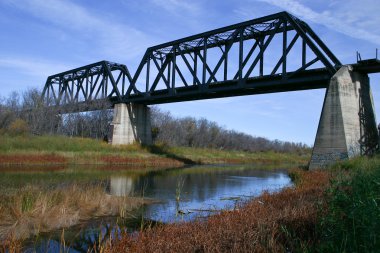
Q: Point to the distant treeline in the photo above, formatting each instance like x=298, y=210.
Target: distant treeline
x=25, y=114
x=193, y=132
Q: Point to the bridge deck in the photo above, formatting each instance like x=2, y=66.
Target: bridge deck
x=368, y=66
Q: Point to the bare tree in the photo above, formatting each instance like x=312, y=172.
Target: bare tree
x=193, y=132
x=167, y=129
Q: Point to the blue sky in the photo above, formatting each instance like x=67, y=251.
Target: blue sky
x=43, y=37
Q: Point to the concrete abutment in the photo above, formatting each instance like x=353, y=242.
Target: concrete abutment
x=131, y=123
x=347, y=126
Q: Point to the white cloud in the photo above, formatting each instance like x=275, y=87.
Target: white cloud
x=33, y=67
x=21, y=73
x=357, y=19
x=177, y=6
x=115, y=39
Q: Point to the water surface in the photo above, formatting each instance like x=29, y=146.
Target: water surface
x=198, y=191
x=182, y=194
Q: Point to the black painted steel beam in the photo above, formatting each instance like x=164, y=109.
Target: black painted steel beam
x=312, y=79
x=251, y=57
x=367, y=66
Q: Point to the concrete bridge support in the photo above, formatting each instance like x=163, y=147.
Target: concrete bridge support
x=347, y=127
x=131, y=123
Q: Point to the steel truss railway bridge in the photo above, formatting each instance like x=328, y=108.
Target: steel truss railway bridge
x=275, y=53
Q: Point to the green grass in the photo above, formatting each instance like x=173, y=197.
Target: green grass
x=215, y=155
x=82, y=150
x=60, y=144
x=352, y=222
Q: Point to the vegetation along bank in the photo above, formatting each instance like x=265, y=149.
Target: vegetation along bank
x=50, y=150
x=335, y=210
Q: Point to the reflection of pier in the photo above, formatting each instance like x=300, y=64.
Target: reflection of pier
x=121, y=186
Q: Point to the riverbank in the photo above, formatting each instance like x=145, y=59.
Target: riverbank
x=60, y=150
x=268, y=223
x=333, y=210
x=183, y=193
x=35, y=209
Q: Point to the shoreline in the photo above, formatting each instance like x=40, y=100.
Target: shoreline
x=60, y=150
x=330, y=210
x=255, y=226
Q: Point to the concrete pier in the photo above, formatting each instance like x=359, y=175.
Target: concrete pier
x=130, y=124
x=347, y=124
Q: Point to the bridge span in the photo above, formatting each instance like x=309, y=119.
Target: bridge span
x=275, y=53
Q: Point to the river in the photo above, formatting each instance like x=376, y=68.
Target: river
x=179, y=195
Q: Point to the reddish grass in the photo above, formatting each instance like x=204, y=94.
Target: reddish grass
x=53, y=159
x=144, y=162
x=279, y=222
x=10, y=245
x=32, y=159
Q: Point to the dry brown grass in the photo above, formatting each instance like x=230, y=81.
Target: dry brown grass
x=279, y=222
x=10, y=245
x=29, y=211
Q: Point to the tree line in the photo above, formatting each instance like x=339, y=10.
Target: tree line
x=26, y=114
x=192, y=132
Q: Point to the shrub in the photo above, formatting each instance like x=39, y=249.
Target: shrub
x=18, y=127
x=352, y=223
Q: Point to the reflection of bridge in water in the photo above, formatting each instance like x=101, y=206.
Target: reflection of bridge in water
x=121, y=186
x=276, y=53
x=197, y=188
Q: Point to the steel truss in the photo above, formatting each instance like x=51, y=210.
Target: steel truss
x=275, y=53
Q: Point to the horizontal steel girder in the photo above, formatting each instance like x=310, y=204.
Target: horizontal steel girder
x=313, y=79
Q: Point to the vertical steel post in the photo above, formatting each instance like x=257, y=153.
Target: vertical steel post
x=262, y=56
x=168, y=79
x=303, y=53
x=174, y=68
x=284, y=47
x=225, y=63
x=195, y=67
x=204, y=61
x=147, y=74
x=241, y=52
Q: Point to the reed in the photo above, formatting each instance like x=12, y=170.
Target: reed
x=31, y=210
x=335, y=210
x=278, y=222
